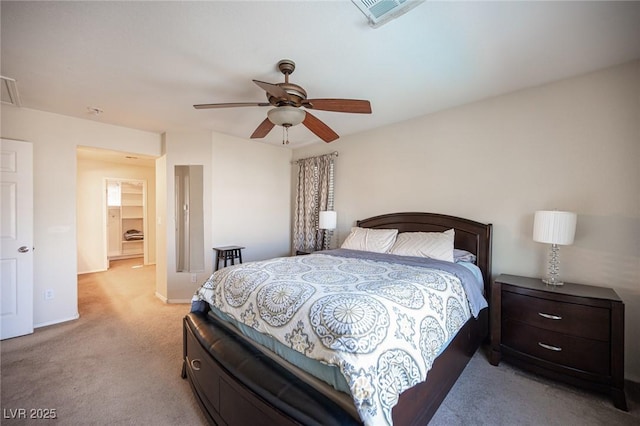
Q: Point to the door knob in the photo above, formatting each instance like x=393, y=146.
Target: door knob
x=23, y=249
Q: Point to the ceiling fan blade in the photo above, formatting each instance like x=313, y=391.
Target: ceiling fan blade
x=321, y=130
x=273, y=89
x=263, y=129
x=231, y=105
x=339, y=105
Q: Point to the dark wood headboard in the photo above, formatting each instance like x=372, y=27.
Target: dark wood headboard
x=472, y=236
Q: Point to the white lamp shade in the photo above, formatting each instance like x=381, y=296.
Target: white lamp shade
x=286, y=116
x=554, y=227
x=328, y=219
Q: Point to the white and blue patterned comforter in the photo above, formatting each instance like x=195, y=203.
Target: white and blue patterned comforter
x=382, y=323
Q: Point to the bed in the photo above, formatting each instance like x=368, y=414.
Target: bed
x=237, y=381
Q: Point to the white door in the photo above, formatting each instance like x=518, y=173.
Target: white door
x=16, y=233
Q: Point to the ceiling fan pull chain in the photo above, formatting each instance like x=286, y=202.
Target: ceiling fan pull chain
x=285, y=135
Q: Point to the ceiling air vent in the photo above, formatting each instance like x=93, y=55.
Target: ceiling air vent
x=10, y=91
x=379, y=12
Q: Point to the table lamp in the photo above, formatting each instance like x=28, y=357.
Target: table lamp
x=555, y=228
x=328, y=220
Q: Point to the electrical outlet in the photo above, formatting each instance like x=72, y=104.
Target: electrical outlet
x=194, y=278
x=48, y=294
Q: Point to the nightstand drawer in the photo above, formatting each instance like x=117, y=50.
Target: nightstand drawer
x=574, y=352
x=568, y=318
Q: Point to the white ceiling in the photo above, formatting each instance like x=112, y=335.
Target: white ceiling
x=146, y=63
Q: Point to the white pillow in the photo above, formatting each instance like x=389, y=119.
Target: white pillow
x=436, y=245
x=375, y=240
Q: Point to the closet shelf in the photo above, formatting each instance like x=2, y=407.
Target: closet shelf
x=126, y=213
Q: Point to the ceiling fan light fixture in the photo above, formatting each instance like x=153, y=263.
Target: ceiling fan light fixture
x=286, y=116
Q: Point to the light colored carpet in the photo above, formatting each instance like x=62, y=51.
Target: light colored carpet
x=505, y=395
x=120, y=363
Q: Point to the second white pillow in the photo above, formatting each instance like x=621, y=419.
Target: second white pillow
x=436, y=245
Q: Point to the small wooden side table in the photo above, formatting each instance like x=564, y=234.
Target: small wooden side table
x=225, y=254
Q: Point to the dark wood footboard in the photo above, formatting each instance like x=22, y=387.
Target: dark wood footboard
x=236, y=384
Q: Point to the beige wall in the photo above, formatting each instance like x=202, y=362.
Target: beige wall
x=246, y=202
x=251, y=204
x=92, y=255
x=571, y=145
x=55, y=139
x=162, y=288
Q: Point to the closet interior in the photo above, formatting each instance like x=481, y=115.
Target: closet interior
x=126, y=212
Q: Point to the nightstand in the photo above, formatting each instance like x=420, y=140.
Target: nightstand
x=572, y=332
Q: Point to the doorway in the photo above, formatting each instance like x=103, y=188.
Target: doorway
x=94, y=168
x=126, y=225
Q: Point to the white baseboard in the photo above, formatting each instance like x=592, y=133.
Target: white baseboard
x=91, y=272
x=179, y=301
x=176, y=301
x=44, y=324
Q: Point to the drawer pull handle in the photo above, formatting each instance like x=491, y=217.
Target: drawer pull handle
x=551, y=348
x=549, y=316
x=195, y=364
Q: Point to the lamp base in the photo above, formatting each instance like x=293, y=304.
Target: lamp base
x=554, y=267
x=551, y=281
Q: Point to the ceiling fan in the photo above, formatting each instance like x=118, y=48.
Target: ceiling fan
x=287, y=100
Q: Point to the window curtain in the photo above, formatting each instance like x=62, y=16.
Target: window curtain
x=314, y=194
